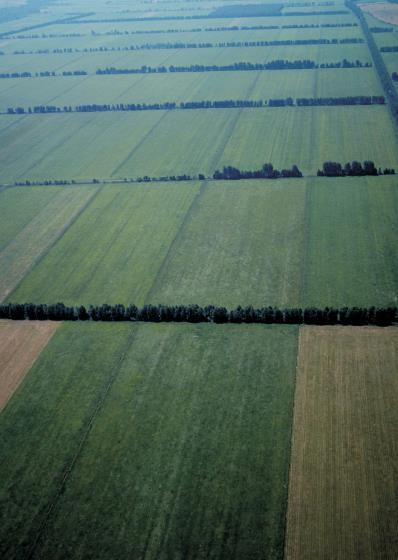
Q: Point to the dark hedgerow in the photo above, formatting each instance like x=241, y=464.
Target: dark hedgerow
x=381, y=316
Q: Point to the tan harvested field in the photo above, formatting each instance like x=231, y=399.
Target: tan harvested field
x=384, y=11
x=343, y=501
x=20, y=344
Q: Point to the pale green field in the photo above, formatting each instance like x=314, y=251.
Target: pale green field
x=114, y=250
x=157, y=143
x=182, y=57
x=286, y=243
x=18, y=206
x=242, y=245
x=187, y=87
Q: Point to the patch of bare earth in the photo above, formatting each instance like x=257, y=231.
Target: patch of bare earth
x=384, y=11
x=343, y=488
x=20, y=344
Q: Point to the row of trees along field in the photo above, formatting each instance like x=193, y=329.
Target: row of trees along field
x=237, y=67
x=181, y=45
x=232, y=28
x=353, y=169
x=196, y=314
x=267, y=171
x=381, y=29
x=234, y=67
x=205, y=104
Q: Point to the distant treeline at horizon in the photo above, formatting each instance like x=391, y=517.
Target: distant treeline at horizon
x=197, y=105
x=181, y=30
x=182, y=45
x=358, y=316
x=233, y=67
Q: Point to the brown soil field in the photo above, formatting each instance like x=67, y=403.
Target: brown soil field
x=343, y=488
x=384, y=11
x=20, y=344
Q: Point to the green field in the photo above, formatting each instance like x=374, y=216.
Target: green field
x=160, y=143
x=151, y=441
x=242, y=244
x=194, y=86
x=114, y=250
x=352, y=232
x=172, y=441
x=287, y=243
x=33, y=240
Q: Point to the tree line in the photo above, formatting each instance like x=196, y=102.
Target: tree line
x=181, y=45
x=44, y=74
x=389, y=49
x=204, y=104
x=380, y=316
x=267, y=171
x=233, y=67
x=222, y=28
x=236, y=67
x=394, y=76
x=353, y=169
x=381, y=29
x=94, y=33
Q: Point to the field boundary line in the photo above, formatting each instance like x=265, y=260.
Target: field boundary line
x=293, y=412
x=68, y=471
x=170, y=250
x=306, y=242
x=61, y=233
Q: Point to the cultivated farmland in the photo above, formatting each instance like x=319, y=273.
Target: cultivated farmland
x=342, y=492
x=38, y=235
x=167, y=439
x=20, y=345
x=178, y=436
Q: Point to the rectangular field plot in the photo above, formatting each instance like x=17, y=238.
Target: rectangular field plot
x=43, y=425
x=351, y=240
x=20, y=345
x=114, y=250
x=194, y=86
x=33, y=240
x=242, y=245
x=342, y=490
x=156, y=143
x=179, y=447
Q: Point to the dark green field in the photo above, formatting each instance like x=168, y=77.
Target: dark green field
x=150, y=441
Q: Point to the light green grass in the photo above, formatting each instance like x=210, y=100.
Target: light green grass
x=187, y=455
x=351, y=244
x=241, y=246
x=114, y=250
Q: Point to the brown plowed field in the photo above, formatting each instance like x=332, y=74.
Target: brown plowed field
x=343, y=502
x=20, y=344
